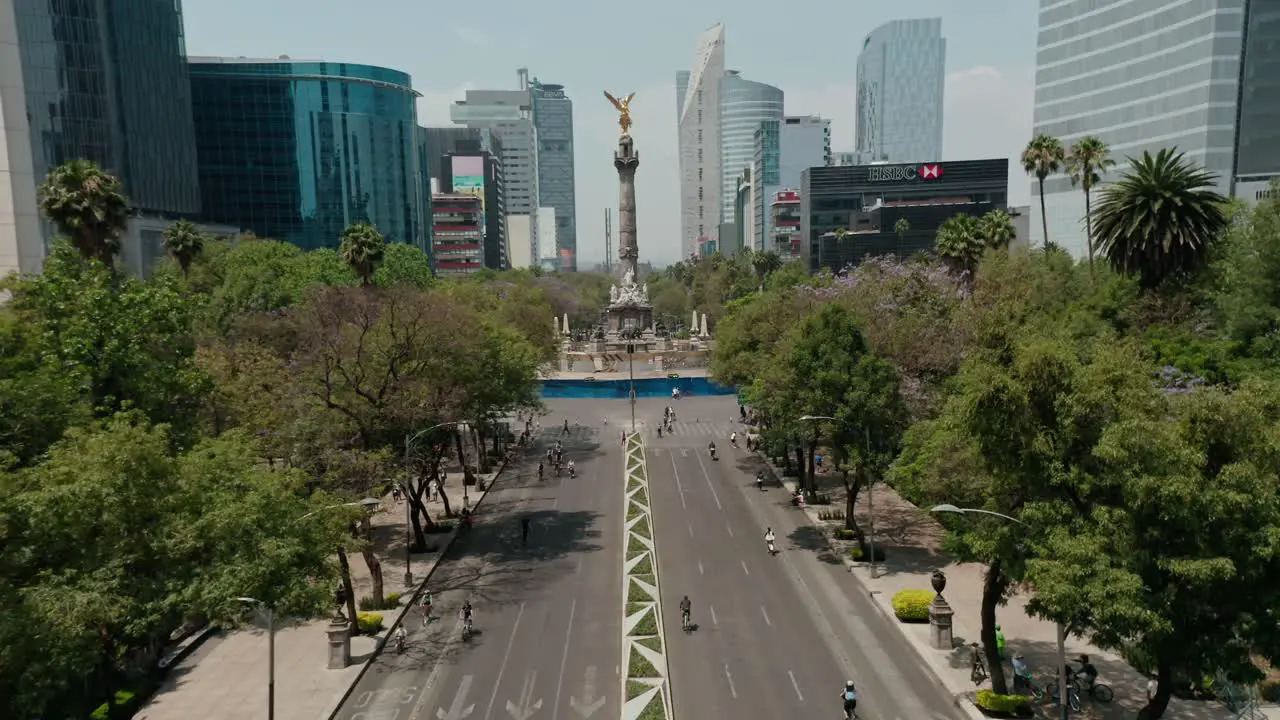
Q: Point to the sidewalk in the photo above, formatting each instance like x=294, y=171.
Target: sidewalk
x=911, y=541
x=229, y=679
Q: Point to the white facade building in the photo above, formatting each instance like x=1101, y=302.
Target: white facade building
x=901, y=76
x=521, y=246
x=745, y=105
x=547, y=240
x=698, y=128
x=1141, y=75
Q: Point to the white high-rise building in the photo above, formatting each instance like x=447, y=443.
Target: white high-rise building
x=1140, y=76
x=744, y=106
x=901, y=75
x=698, y=122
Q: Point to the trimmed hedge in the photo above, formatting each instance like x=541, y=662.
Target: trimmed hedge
x=390, y=601
x=912, y=605
x=997, y=705
x=369, y=623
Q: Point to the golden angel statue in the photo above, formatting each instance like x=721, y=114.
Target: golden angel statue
x=624, y=110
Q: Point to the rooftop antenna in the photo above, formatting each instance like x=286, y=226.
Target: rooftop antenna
x=608, y=241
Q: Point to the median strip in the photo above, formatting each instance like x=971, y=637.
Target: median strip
x=644, y=684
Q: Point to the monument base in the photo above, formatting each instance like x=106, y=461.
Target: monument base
x=628, y=322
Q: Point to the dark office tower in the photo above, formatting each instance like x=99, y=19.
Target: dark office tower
x=299, y=150
x=1258, y=132
x=553, y=118
x=102, y=80
x=437, y=142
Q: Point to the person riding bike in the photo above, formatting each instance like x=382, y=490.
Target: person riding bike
x=733, y=438
x=711, y=449
x=426, y=608
x=850, y=697
x=540, y=470
x=466, y=616
x=1087, y=674
x=769, y=538
x=571, y=469
x=684, y=612
x=401, y=636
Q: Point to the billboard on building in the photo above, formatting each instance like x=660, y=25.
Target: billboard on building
x=468, y=176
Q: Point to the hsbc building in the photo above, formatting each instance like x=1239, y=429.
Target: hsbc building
x=891, y=209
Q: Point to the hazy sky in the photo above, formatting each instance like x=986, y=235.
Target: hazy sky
x=810, y=52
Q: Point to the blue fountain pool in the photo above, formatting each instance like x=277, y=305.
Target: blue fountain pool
x=647, y=387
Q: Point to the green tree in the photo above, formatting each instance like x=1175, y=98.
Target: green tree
x=404, y=264
x=112, y=543
x=1087, y=161
x=1175, y=552
x=1043, y=157
x=960, y=243
x=1160, y=218
x=184, y=241
x=901, y=227
x=123, y=342
x=750, y=331
x=996, y=228
x=38, y=400
x=88, y=207
x=363, y=249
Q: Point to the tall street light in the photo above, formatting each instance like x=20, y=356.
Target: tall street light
x=271, y=652
x=1062, y=629
x=408, y=510
x=871, y=491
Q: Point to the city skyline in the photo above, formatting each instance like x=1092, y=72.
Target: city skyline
x=987, y=67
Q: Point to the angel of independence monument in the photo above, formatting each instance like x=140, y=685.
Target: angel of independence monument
x=627, y=328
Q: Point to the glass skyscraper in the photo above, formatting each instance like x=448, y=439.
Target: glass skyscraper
x=1257, y=156
x=698, y=133
x=744, y=105
x=102, y=81
x=553, y=118
x=901, y=76
x=1141, y=75
x=299, y=150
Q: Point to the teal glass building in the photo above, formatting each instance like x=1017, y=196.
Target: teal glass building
x=299, y=150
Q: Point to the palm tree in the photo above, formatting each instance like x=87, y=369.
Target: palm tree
x=87, y=206
x=997, y=229
x=764, y=263
x=960, y=242
x=1088, y=159
x=184, y=241
x=1160, y=218
x=1043, y=157
x=362, y=249
x=901, y=227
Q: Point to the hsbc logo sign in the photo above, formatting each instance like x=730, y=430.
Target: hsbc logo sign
x=903, y=173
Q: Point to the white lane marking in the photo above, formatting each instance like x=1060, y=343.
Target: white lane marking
x=732, y=690
x=700, y=571
x=503, y=666
x=744, y=567
x=577, y=570
x=573, y=607
x=555, y=504
x=767, y=621
x=714, y=621
x=679, y=485
x=795, y=685
x=450, y=641
x=729, y=527
x=690, y=529
x=711, y=487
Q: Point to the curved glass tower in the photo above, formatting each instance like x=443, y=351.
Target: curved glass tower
x=299, y=150
x=744, y=105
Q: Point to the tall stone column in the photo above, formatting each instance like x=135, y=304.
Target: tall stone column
x=626, y=160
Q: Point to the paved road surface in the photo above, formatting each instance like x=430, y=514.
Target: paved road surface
x=776, y=636
x=546, y=616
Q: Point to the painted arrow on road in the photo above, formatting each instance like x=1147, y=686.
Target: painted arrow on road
x=528, y=706
x=458, y=710
x=589, y=704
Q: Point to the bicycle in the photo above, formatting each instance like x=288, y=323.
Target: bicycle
x=1095, y=690
x=685, y=623
x=467, y=629
x=977, y=666
x=1039, y=693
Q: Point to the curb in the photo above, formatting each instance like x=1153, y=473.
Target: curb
x=413, y=597
x=186, y=647
x=961, y=701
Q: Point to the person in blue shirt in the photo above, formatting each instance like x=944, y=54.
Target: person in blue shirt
x=850, y=697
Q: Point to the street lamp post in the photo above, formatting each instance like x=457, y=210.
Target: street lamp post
x=1061, y=630
x=271, y=653
x=408, y=509
x=871, y=495
x=631, y=369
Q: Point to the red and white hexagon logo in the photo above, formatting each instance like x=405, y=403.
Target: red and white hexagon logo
x=930, y=172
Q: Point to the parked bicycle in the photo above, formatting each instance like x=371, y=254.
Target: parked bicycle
x=977, y=666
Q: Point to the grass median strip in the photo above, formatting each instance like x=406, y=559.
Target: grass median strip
x=635, y=689
x=637, y=594
x=648, y=625
x=655, y=710
x=640, y=667
x=635, y=546
x=644, y=567
x=642, y=528
x=653, y=642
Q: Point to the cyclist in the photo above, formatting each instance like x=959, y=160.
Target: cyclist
x=711, y=449
x=466, y=616
x=684, y=612
x=426, y=608
x=1087, y=674
x=401, y=636
x=850, y=697
x=733, y=438
x=768, y=540
x=1021, y=673
x=571, y=469
x=540, y=469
